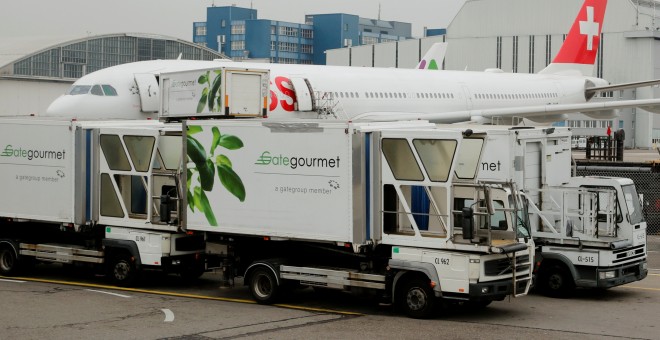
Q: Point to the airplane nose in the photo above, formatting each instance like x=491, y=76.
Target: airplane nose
x=60, y=107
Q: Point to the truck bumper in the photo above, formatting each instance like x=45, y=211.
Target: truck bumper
x=615, y=276
x=495, y=290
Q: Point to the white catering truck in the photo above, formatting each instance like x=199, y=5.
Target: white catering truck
x=328, y=204
x=89, y=192
x=589, y=230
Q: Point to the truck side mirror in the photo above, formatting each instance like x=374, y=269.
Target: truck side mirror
x=467, y=223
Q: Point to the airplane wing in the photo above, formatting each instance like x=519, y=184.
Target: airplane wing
x=593, y=90
x=554, y=112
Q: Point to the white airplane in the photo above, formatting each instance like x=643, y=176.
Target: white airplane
x=130, y=91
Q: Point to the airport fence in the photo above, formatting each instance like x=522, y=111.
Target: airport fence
x=647, y=183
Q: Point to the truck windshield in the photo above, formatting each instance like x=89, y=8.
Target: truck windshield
x=633, y=204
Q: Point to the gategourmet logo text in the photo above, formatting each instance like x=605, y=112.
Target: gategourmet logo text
x=297, y=162
x=30, y=154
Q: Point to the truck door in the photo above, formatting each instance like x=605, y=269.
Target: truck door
x=125, y=173
x=244, y=95
x=148, y=87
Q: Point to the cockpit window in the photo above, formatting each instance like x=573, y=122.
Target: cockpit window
x=97, y=91
x=79, y=89
x=109, y=90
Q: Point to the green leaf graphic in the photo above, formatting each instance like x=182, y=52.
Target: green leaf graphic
x=208, y=211
x=197, y=199
x=219, y=107
x=231, y=142
x=216, y=139
x=214, y=91
x=191, y=201
x=196, y=151
x=223, y=160
x=203, y=79
x=231, y=181
x=207, y=175
x=193, y=129
x=202, y=100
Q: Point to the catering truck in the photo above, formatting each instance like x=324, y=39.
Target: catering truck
x=589, y=230
x=89, y=193
x=329, y=205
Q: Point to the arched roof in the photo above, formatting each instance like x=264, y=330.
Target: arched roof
x=68, y=59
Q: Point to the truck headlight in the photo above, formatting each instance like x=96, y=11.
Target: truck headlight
x=484, y=290
x=607, y=275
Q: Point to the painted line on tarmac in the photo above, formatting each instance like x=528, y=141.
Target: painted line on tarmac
x=14, y=281
x=109, y=293
x=642, y=288
x=169, y=316
x=192, y=296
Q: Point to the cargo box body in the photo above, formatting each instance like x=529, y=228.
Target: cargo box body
x=37, y=170
x=265, y=182
x=222, y=91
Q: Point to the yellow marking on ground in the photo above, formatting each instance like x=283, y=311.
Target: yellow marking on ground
x=184, y=295
x=642, y=288
x=654, y=274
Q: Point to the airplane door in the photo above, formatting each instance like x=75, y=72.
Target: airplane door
x=303, y=90
x=468, y=97
x=148, y=88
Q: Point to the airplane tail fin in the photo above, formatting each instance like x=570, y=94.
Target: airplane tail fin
x=434, y=57
x=578, y=53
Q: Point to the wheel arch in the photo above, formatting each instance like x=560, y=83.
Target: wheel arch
x=112, y=247
x=273, y=267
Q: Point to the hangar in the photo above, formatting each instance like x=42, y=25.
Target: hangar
x=33, y=72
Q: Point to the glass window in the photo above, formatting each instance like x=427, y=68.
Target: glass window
x=170, y=150
x=468, y=158
x=632, y=202
x=401, y=160
x=109, y=202
x=140, y=149
x=96, y=90
x=79, y=89
x=114, y=153
x=109, y=90
x=437, y=156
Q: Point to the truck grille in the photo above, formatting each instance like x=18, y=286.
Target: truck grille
x=627, y=254
x=503, y=266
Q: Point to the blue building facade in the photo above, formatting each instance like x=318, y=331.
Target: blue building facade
x=238, y=33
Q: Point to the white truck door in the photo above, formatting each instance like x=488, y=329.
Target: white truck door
x=303, y=90
x=245, y=94
x=148, y=88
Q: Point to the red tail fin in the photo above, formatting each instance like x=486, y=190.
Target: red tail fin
x=581, y=45
x=578, y=53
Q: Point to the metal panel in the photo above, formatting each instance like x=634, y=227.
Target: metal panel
x=245, y=95
x=338, y=57
x=385, y=55
x=362, y=56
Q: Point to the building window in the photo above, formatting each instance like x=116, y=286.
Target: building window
x=288, y=31
x=201, y=30
x=515, y=55
x=369, y=40
x=223, y=23
x=306, y=49
x=548, y=49
x=273, y=29
x=531, y=54
x=307, y=34
x=238, y=45
x=238, y=29
x=498, y=58
x=272, y=45
x=288, y=47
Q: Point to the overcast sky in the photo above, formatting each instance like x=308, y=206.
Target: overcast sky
x=39, y=18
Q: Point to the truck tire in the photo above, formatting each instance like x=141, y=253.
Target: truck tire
x=556, y=281
x=122, y=270
x=416, y=298
x=263, y=286
x=8, y=260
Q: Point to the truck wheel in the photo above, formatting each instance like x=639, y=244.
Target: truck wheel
x=123, y=271
x=8, y=260
x=263, y=286
x=556, y=281
x=417, y=299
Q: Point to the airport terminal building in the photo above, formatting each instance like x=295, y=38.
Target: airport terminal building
x=33, y=72
x=523, y=36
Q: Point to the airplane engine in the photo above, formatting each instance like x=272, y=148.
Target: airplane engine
x=603, y=114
